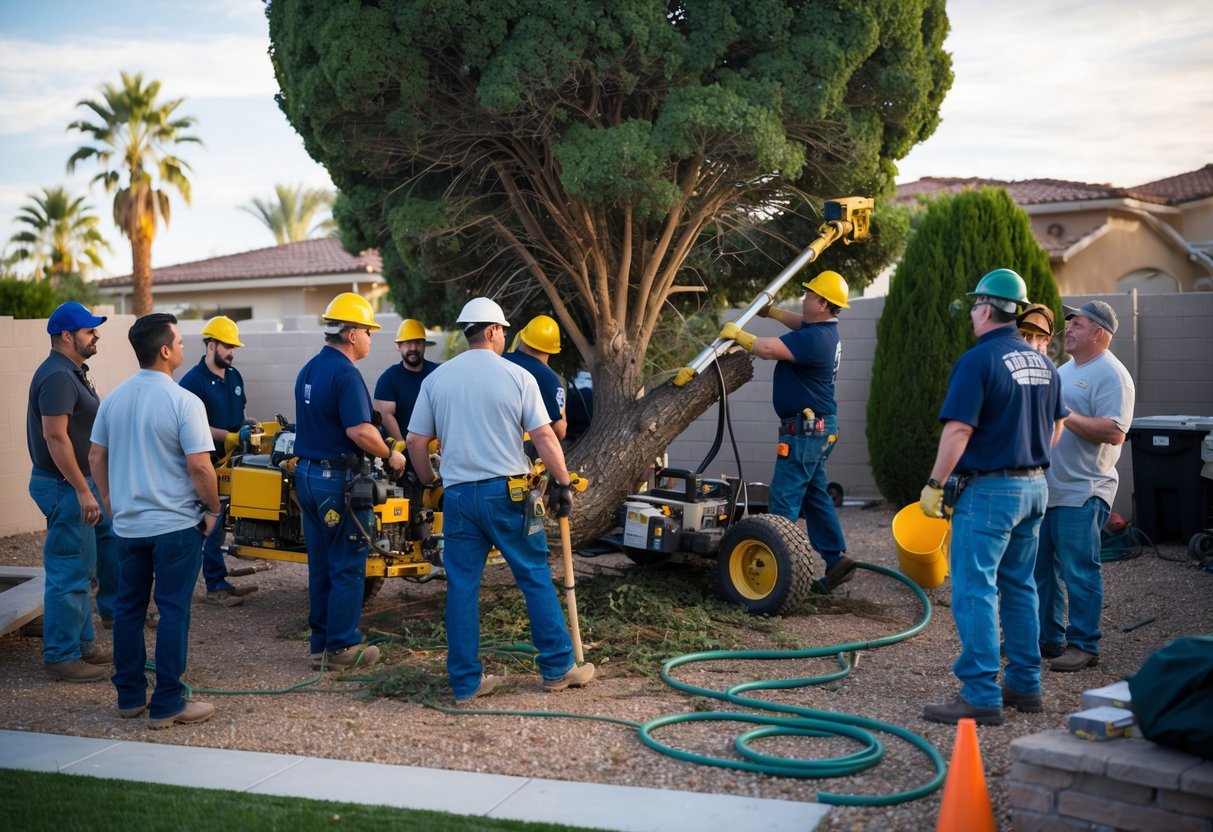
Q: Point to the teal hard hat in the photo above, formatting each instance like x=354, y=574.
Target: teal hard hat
x=1004, y=284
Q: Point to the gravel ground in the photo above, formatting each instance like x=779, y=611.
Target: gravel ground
x=260, y=649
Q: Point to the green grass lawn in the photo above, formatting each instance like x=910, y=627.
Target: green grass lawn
x=37, y=801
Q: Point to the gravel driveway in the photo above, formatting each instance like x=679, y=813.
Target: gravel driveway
x=259, y=648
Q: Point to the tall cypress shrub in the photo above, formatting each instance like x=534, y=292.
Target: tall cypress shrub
x=925, y=325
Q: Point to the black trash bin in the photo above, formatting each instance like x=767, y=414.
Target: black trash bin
x=1171, y=500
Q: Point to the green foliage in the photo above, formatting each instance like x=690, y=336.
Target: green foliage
x=58, y=237
x=922, y=332
x=27, y=298
x=294, y=213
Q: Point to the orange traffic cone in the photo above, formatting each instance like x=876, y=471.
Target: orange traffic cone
x=966, y=801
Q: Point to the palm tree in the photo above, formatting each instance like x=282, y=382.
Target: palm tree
x=290, y=218
x=60, y=238
x=133, y=136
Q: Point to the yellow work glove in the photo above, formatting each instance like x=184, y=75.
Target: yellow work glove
x=931, y=500
x=732, y=332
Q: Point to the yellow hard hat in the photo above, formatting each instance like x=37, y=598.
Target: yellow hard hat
x=351, y=308
x=830, y=286
x=543, y=334
x=222, y=329
x=411, y=330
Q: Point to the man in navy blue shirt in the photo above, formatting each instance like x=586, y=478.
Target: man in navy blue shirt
x=333, y=429
x=221, y=388
x=803, y=396
x=538, y=341
x=1002, y=413
x=397, y=388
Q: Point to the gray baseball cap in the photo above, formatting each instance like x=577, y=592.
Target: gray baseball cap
x=1100, y=313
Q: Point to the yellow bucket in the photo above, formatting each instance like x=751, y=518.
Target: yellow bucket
x=922, y=546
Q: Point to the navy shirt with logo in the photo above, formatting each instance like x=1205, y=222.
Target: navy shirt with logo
x=223, y=396
x=330, y=396
x=401, y=385
x=1011, y=395
x=808, y=380
x=550, y=386
x=60, y=387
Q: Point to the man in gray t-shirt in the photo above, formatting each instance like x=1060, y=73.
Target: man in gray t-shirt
x=1082, y=479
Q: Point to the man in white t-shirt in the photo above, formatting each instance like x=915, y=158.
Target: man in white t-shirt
x=151, y=460
x=1082, y=480
x=478, y=405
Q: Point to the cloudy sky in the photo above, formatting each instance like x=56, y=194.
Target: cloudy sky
x=1114, y=91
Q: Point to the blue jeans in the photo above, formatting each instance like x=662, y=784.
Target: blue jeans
x=993, y=554
x=107, y=562
x=163, y=566
x=69, y=559
x=336, y=556
x=1069, y=551
x=475, y=516
x=214, y=570
x=798, y=488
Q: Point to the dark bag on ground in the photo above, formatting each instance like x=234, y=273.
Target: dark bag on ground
x=1173, y=696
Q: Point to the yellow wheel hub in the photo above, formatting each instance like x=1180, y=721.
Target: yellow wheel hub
x=753, y=569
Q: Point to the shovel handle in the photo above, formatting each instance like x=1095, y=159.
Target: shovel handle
x=570, y=590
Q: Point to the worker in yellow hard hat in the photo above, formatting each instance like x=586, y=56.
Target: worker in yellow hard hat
x=333, y=430
x=807, y=365
x=398, y=385
x=221, y=388
x=538, y=341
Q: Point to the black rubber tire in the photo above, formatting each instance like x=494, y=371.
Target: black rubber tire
x=1200, y=546
x=765, y=564
x=836, y=493
x=370, y=589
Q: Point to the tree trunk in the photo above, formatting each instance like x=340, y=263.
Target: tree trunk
x=141, y=273
x=623, y=432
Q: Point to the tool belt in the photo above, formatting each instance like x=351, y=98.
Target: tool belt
x=800, y=426
x=1010, y=472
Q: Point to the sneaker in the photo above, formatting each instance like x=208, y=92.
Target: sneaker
x=577, y=677
x=1028, y=703
x=191, y=714
x=98, y=657
x=1052, y=651
x=223, y=598
x=76, y=670
x=488, y=684
x=353, y=656
x=837, y=575
x=1073, y=659
x=952, y=712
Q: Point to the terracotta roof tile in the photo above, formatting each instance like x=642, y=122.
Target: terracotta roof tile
x=310, y=257
x=1186, y=187
x=1024, y=192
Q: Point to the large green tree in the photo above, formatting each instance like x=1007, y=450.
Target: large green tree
x=925, y=326
x=601, y=158
x=58, y=237
x=294, y=213
x=135, y=135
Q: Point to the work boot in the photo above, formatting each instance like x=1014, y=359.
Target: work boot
x=76, y=670
x=488, y=684
x=240, y=591
x=1052, y=651
x=98, y=657
x=1073, y=659
x=577, y=677
x=837, y=575
x=319, y=660
x=224, y=597
x=107, y=623
x=191, y=714
x=131, y=713
x=952, y=712
x=1028, y=703
x=355, y=655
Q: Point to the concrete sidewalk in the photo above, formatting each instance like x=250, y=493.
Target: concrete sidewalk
x=499, y=796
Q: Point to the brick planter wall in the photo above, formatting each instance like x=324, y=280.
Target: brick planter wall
x=1060, y=783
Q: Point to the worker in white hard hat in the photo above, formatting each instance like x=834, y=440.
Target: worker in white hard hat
x=398, y=385
x=333, y=429
x=221, y=388
x=538, y=341
x=803, y=395
x=478, y=405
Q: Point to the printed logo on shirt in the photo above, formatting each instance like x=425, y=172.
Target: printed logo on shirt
x=239, y=392
x=560, y=398
x=307, y=392
x=1028, y=367
x=1080, y=382
x=331, y=518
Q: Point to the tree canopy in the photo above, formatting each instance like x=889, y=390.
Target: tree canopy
x=294, y=213
x=58, y=237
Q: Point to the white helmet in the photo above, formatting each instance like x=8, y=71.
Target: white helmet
x=481, y=311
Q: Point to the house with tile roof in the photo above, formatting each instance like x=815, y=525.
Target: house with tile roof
x=1101, y=239
x=294, y=279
